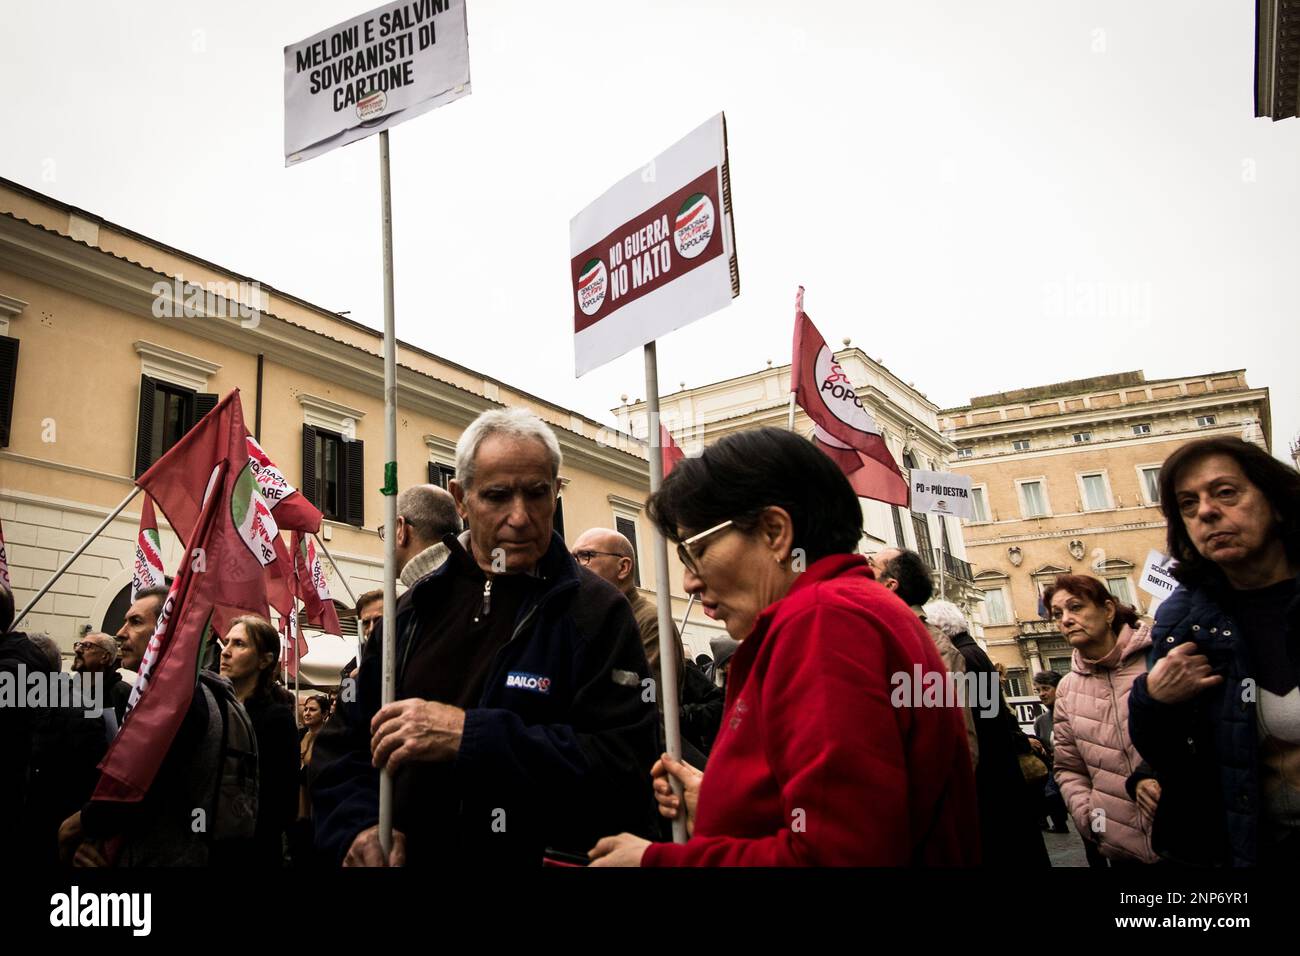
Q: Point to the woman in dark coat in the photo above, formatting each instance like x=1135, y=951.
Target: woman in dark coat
x=248, y=660
x=1217, y=717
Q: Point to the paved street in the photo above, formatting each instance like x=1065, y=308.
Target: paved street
x=1065, y=849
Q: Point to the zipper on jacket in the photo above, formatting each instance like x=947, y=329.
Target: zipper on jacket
x=1128, y=764
x=487, y=599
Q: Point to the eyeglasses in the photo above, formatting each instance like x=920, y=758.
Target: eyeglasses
x=89, y=645
x=584, y=557
x=380, y=529
x=689, y=559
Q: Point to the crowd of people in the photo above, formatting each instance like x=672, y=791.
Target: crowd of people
x=528, y=726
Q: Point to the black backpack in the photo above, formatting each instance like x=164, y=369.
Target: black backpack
x=232, y=806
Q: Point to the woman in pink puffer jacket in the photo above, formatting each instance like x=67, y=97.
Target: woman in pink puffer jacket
x=1093, y=754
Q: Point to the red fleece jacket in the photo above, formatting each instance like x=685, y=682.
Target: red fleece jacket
x=813, y=765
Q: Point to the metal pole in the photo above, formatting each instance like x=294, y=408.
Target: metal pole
x=667, y=652
x=689, y=604
x=389, y=662
x=76, y=554
x=943, y=559
x=790, y=417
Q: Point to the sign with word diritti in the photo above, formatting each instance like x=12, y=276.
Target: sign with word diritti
x=655, y=252
x=943, y=492
x=375, y=71
x=1157, y=575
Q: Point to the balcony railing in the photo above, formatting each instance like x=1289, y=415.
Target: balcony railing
x=953, y=567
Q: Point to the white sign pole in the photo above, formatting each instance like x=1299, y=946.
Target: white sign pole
x=667, y=652
x=389, y=490
x=943, y=559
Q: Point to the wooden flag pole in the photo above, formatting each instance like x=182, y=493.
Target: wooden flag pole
x=76, y=554
x=668, y=653
x=389, y=661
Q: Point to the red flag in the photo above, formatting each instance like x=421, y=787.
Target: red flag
x=222, y=575
x=178, y=490
x=672, y=454
x=311, y=586
x=292, y=510
x=845, y=430
x=148, y=570
x=292, y=646
x=4, y=562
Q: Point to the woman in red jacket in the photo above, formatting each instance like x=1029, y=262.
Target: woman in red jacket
x=826, y=755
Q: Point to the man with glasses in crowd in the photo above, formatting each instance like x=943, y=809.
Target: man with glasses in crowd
x=610, y=555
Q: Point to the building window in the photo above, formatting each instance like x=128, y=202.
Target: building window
x=8, y=384
x=441, y=475
x=627, y=528
x=1205, y=421
x=1120, y=589
x=1150, y=483
x=965, y=452
x=1016, y=684
x=979, y=507
x=1020, y=444
x=900, y=538
x=1033, y=499
x=1081, y=437
x=995, y=607
x=1059, y=664
x=333, y=471
x=1096, y=497
x=166, y=413
x=1143, y=429
x=921, y=528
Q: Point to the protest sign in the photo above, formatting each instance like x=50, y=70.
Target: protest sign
x=943, y=492
x=371, y=73
x=656, y=251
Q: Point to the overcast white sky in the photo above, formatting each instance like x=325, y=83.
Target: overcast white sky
x=985, y=194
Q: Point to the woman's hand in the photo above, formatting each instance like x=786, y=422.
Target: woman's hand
x=625, y=849
x=669, y=803
x=1181, y=675
x=1148, y=796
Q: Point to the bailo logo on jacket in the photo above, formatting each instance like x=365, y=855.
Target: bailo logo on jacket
x=525, y=681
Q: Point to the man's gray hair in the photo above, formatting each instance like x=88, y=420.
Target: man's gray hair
x=107, y=641
x=516, y=423
x=947, y=617
x=429, y=511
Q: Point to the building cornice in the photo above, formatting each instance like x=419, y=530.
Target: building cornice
x=56, y=260
x=1068, y=421
x=159, y=361
x=1082, y=530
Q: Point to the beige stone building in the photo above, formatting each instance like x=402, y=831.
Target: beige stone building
x=1065, y=482
x=101, y=370
x=909, y=420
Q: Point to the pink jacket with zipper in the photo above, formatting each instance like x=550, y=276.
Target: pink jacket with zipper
x=1094, y=756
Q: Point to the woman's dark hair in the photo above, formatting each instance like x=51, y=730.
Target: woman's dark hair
x=743, y=473
x=1047, y=678
x=6, y=609
x=266, y=640
x=323, y=702
x=1279, y=483
x=1087, y=588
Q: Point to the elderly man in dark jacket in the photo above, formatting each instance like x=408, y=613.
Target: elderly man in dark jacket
x=520, y=723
